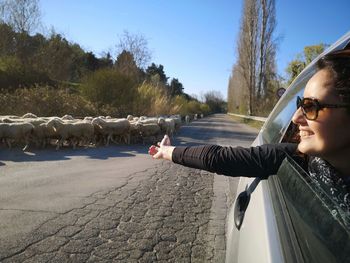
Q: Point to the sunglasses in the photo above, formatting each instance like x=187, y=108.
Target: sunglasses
x=310, y=107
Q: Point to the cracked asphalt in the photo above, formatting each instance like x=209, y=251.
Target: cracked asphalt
x=161, y=213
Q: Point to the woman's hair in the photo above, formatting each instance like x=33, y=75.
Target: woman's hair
x=338, y=63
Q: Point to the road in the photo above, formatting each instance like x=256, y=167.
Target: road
x=116, y=204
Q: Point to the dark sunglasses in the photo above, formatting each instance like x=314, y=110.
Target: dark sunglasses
x=310, y=107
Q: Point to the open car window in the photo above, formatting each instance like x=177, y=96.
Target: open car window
x=310, y=230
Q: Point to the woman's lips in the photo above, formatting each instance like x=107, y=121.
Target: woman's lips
x=305, y=134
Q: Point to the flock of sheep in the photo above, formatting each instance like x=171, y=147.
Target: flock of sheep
x=42, y=131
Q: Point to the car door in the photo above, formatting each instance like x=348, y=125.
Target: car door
x=267, y=232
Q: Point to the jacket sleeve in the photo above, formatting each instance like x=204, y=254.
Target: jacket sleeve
x=260, y=161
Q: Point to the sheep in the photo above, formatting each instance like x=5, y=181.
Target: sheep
x=130, y=117
x=16, y=132
x=88, y=119
x=29, y=115
x=110, y=129
x=149, y=131
x=73, y=131
x=43, y=134
x=167, y=125
x=67, y=117
x=135, y=131
x=178, y=122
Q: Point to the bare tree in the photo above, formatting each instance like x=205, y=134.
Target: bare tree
x=267, y=44
x=22, y=15
x=137, y=46
x=255, y=67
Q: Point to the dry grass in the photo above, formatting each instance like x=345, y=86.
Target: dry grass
x=253, y=123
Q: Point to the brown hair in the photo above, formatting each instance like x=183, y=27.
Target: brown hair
x=338, y=63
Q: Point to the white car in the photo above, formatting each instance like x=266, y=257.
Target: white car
x=285, y=218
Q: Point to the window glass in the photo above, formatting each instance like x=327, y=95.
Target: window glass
x=318, y=233
x=281, y=116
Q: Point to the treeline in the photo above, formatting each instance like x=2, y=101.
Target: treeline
x=50, y=76
x=254, y=80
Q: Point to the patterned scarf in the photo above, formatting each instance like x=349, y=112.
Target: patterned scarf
x=331, y=184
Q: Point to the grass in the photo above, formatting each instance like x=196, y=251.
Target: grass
x=253, y=123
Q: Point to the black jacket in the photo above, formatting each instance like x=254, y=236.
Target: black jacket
x=260, y=161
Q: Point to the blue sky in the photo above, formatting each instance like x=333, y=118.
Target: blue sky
x=195, y=40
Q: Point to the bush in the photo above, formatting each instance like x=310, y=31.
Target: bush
x=44, y=101
x=108, y=88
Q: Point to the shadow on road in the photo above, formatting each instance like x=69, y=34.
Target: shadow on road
x=50, y=154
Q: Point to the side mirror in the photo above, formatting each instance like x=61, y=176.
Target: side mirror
x=241, y=205
x=242, y=202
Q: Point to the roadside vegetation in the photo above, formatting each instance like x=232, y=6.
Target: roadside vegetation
x=254, y=79
x=252, y=123
x=47, y=75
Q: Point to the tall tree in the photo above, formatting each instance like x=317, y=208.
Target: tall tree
x=175, y=87
x=126, y=65
x=153, y=70
x=24, y=16
x=137, y=45
x=255, y=67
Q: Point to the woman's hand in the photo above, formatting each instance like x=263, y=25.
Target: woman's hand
x=164, y=150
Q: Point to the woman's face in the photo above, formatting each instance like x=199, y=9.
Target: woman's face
x=329, y=134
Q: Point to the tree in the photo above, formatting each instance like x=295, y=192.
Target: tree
x=136, y=45
x=175, y=87
x=255, y=70
x=106, y=61
x=303, y=59
x=157, y=70
x=23, y=16
x=126, y=65
x=215, y=101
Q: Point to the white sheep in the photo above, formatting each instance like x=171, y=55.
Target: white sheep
x=29, y=115
x=67, y=117
x=16, y=132
x=149, y=132
x=110, y=129
x=72, y=131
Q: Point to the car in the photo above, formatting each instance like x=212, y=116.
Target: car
x=285, y=218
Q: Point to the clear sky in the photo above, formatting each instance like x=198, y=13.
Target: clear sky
x=195, y=40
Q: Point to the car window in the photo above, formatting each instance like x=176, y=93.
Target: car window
x=310, y=231
x=278, y=122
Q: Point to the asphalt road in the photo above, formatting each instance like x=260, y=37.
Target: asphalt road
x=116, y=204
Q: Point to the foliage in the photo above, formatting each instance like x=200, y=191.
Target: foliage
x=22, y=15
x=44, y=101
x=255, y=71
x=298, y=64
x=48, y=75
x=215, y=101
x=175, y=87
x=112, y=88
x=126, y=65
x=153, y=70
x=14, y=75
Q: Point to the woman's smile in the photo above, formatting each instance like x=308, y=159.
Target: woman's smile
x=305, y=134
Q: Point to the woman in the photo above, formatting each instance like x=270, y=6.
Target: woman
x=323, y=118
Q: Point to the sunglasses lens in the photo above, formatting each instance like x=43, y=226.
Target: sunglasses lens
x=309, y=108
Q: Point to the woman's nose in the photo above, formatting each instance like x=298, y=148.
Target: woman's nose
x=298, y=117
